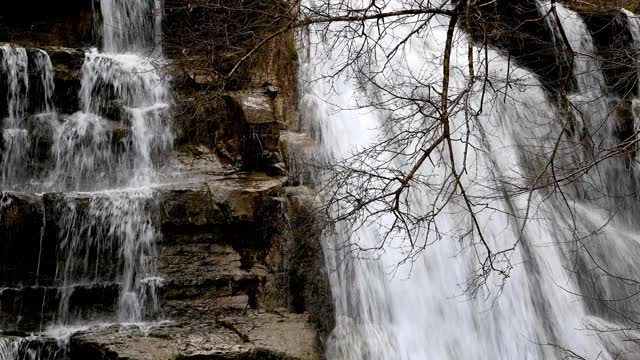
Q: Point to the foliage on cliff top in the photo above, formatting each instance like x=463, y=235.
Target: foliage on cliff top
x=634, y=7
x=602, y=5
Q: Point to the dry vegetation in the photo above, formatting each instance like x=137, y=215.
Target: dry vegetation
x=600, y=5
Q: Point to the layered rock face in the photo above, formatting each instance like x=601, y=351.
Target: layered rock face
x=223, y=258
x=46, y=23
x=219, y=274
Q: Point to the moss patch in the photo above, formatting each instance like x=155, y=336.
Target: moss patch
x=634, y=7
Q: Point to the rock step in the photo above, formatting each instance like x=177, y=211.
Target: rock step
x=253, y=336
x=42, y=130
x=27, y=346
x=33, y=307
x=186, y=213
x=205, y=279
x=206, y=225
x=67, y=65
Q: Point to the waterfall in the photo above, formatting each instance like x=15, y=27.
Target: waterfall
x=15, y=138
x=43, y=66
x=8, y=349
x=82, y=150
x=111, y=240
x=591, y=110
x=127, y=26
x=14, y=65
x=394, y=303
x=108, y=235
x=20, y=130
x=634, y=26
x=97, y=169
x=125, y=85
x=31, y=348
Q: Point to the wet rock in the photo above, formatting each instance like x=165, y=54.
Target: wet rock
x=46, y=23
x=216, y=201
x=205, y=279
x=252, y=336
x=617, y=55
x=258, y=127
x=615, y=49
x=297, y=148
x=32, y=307
x=256, y=106
x=517, y=27
x=212, y=269
x=67, y=66
x=21, y=222
x=197, y=161
x=308, y=278
x=67, y=62
x=212, y=234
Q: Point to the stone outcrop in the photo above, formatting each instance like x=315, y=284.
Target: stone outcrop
x=308, y=279
x=67, y=65
x=46, y=23
x=223, y=286
x=618, y=58
x=214, y=102
x=517, y=28
x=254, y=336
x=259, y=127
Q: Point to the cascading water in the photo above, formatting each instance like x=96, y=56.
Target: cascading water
x=634, y=26
x=113, y=230
x=129, y=85
x=112, y=240
x=14, y=65
x=31, y=348
x=421, y=309
x=15, y=138
x=43, y=66
x=100, y=161
x=127, y=26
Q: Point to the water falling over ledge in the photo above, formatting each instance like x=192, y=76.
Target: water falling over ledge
x=96, y=166
x=422, y=308
x=91, y=212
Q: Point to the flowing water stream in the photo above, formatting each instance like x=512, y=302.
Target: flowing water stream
x=423, y=309
x=99, y=161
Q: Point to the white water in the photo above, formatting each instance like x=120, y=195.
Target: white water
x=127, y=25
x=103, y=161
x=634, y=25
x=14, y=65
x=15, y=139
x=29, y=348
x=421, y=310
x=43, y=66
x=84, y=143
x=122, y=130
x=110, y=241
x=108, y=236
